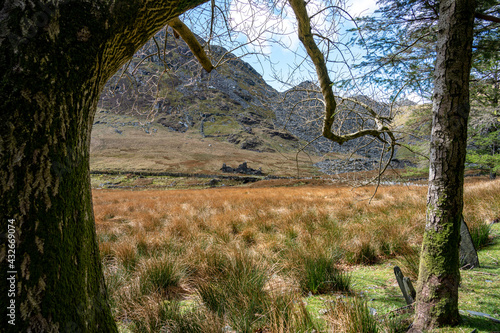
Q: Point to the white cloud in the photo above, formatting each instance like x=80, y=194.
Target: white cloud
x=358, y=8
x=261, y=25
x=256, y=22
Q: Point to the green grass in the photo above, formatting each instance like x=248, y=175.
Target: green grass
x=236, y=290
x=480, y=234
x=162, y=275
x=221, y=126
x=479, y=291
x=352, y=315
x=321, y=275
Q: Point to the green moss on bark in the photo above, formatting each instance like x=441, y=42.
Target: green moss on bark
x=439, y=276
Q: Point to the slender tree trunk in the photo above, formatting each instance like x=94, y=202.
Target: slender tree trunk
x=439, y=276
x=54, y=59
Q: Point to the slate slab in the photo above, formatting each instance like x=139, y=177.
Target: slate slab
x=468, y=253
x=400, y=278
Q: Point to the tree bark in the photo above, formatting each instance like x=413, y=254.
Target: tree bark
x=55, y=57
x=439, y=275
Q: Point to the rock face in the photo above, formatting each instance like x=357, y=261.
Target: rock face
x=233, y=103
x=301, y=113
x=468, y=254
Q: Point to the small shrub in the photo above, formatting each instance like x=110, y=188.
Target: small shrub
x=213, y=297
x=116, y=279
x=248, y=237
x=237, y=291
x=362, y=254
x=179, y=320
x=409, y=262
x=126, y=253
x=161, y=275
x=398, y=323
x=142, y=247
x=287, y=313
x=153, y=315
x=391, y=241
x=291, y=234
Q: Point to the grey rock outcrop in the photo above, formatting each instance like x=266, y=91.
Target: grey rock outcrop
x=243, y=169
x=468, y=254
x=301, y=113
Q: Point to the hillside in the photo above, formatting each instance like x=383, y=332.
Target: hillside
x=127, y=143
x=163, y=112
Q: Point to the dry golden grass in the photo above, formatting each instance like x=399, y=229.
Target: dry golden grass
x=270, y=220
x=277, y=227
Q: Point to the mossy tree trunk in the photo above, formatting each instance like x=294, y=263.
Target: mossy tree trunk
x=439, y=276
x=55, y=56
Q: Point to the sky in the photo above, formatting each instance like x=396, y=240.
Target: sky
x=282, y=59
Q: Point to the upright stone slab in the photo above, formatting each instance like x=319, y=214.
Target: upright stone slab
x=468, y=254
x=409, y=289
x=400, y=278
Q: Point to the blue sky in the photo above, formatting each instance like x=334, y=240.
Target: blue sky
x=254, y=24
x=283, y=59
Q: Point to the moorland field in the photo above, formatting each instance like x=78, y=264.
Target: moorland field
x=281, y=259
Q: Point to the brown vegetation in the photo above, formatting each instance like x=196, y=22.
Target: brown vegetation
x=196, y=234
x=117, y=145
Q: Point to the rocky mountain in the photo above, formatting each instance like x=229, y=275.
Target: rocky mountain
x=301, y=112
x=164, y=85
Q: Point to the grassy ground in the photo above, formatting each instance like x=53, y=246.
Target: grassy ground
x=124, y=142
x=253, y=259
x=478, y=291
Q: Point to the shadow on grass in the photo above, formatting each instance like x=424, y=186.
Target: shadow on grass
x=473, y=322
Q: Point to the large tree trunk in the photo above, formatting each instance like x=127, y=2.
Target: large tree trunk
x=439, y=276
x=54, y=60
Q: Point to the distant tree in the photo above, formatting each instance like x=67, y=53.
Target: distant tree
x=55, y=57
x=485, y=80
x=484, y=142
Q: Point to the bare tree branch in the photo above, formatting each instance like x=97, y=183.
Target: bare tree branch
x=192, y=42
x=487, y=17
x=307, y=38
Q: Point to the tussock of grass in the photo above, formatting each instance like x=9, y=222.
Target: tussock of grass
x=161, y=275
x=480, y=234
x=351, y=315
x=236, y=290
x=409, y=262
x=321, y=275
x=243, y=257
